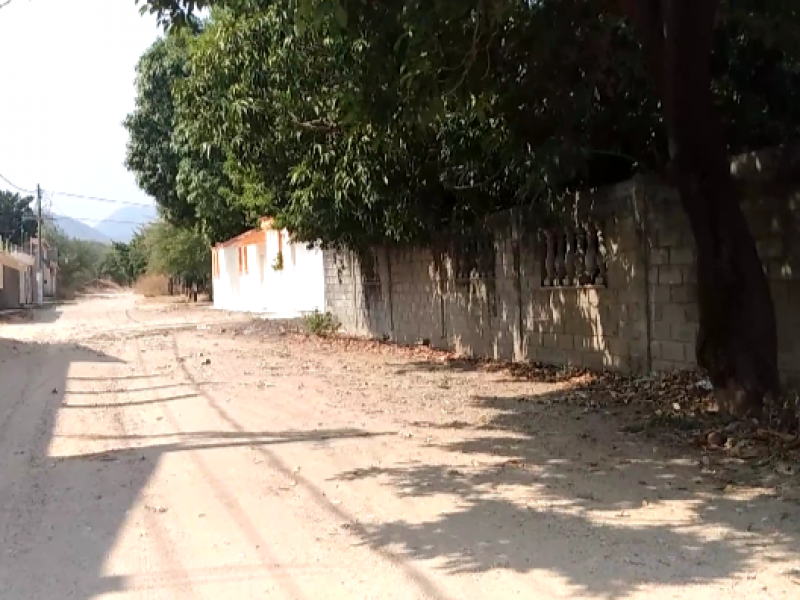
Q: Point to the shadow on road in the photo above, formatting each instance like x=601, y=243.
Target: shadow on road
x=529, y=498
x=63, y=514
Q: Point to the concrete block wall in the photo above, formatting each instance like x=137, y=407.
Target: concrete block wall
x=774, y=219
x=9, y=291
x=644, y=318
x=593, y=326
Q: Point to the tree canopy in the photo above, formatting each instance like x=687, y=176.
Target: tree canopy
x=17, y=221
x=360, y=122
x=355, y=122
x=187, y=182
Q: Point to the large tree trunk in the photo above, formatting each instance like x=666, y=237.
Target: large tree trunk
x=737, y=338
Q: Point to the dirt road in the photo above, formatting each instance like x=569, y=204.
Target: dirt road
x=152, y=452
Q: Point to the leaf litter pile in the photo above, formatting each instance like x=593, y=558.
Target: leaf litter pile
x=681, y=403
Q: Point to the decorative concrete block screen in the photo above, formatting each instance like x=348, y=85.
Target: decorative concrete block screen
x=573, y=256
x=610, y=284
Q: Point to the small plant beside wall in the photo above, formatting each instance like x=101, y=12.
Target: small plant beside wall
x=278, y=264
x=322, y=324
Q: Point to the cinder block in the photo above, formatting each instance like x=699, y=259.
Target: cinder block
x=553, y=356
x=692, y=314
x=660, y=293
x=673, y=313
x=656, y=350
x=583, y=343
x=670, y=275
x=607, y=327
x=691, y=356
x=593, y=360
x=566, y=341
x=673, y=351
x=683, y=332
x=617, y=346
x=661, y=331
x=663, y=365
x=659, y=256
x=683, y=293
x=629, y=294
x=681, y=256
x=669, y=234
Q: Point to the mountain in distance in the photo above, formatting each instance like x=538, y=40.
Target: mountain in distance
x=123, y=223
x=79, y=230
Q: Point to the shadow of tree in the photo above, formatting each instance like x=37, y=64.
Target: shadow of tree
x=545, y=486
x=67, y=493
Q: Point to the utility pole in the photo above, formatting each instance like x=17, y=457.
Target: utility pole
x=39, y=261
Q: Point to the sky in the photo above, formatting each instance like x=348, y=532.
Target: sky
x=67, y=70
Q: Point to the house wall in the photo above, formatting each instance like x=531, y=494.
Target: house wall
x=296, y=288
x=10, y=291
x=642, y=317
x=49, y=284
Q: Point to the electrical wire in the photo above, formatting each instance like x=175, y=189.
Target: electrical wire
x=79, y=196
x=16, y=187
x=98, y=199
x=55, y=217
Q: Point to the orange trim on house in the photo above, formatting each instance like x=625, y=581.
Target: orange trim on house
x=216, y=263
x=248, y=238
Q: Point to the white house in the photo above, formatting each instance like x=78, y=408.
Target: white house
x=263, y=271
x=16, y=277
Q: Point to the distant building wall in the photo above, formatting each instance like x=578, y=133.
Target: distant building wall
x=10, y=290
x=500, y=292
x=246, y=277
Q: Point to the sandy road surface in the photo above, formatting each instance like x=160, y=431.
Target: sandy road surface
x=167, y=454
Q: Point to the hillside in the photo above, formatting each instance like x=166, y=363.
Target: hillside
x=123, y=222
x=78, y=230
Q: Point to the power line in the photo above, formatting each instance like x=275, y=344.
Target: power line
x=51, y=193
x=16, y=187
x=97, y=220
x=53, y=217
x=99, y=199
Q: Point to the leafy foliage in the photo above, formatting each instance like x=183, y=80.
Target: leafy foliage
x=80, y=262
x=178, y=252
x=17, y=220
x=322, y=324
x=125, y=263
x=362, y=122
x=187, y=182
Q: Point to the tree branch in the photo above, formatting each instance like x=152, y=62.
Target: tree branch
x=316, y=125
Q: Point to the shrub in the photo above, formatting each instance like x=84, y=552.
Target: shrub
x=319, y=323
x=151, y=286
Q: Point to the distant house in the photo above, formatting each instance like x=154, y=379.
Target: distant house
x=263, y=271
x=16, y=278
x=49, y=267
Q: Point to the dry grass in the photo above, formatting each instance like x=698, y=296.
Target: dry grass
x=66, y=293
x=151, y=286
x=101, y=286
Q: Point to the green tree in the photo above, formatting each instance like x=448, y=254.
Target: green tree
x=402, y=94
x=125, y=263
x=17, y=220
x=187, y=182
x=178, y=252
x=80, y=262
